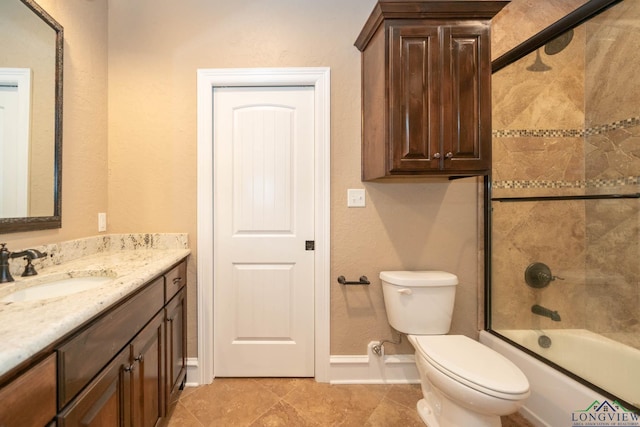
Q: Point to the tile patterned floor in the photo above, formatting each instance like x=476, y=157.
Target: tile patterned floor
x=272, y=402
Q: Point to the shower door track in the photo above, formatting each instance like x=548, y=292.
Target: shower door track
x=576, y=197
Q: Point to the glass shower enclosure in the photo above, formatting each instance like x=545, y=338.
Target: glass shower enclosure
x=564, y=202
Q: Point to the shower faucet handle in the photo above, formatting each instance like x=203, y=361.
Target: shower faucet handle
x=538, y=275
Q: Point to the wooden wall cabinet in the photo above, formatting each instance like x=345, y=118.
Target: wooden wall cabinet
x=426, y=88
x=122, y=369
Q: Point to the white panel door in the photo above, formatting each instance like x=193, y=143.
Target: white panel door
x=263, y=216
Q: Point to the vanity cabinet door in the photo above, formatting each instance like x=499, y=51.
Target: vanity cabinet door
x=176, y=322
x=30, y=399
x=105, y=401
x=82, y=357
x=147, y=373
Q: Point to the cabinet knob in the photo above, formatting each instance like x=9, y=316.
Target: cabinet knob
x=437, y=155
x=128, y=368
x=177, y=280
x=140, y=358
x=449, y=155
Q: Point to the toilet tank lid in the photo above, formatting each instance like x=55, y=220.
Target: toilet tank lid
x=419, y=278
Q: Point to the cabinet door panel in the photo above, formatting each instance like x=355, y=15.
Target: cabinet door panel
x=415, y=97
x=30, y=400
x=147, y=362
x=103, y=403
x=466, y=113
x=176, y=344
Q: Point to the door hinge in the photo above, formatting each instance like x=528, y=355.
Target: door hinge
x=310, y=245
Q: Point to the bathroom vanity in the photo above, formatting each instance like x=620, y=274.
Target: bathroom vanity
x=114, y=355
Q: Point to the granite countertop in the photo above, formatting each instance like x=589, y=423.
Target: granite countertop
x=30, y=326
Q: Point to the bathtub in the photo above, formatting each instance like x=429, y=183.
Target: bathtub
x=556, y=398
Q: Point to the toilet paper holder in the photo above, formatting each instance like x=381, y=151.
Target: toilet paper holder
x=363, y=281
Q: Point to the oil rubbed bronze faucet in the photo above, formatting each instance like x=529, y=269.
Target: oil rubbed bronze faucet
x=543, y=311
x=6, y=255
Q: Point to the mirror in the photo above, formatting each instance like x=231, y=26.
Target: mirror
x=30, y=117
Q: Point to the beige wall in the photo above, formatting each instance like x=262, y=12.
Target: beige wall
x=154, y=49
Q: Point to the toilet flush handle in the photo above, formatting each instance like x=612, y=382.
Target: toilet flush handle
x=405, y=291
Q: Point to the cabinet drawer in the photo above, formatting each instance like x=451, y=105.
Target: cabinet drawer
x=82, y=357
x=30, y=400
x=175, y=279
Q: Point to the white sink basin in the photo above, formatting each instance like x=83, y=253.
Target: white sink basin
x=57, y=288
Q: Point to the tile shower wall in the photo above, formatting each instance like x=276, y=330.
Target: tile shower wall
x=569, y=131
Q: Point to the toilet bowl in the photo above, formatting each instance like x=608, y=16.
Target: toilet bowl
x=467, y=383
x=464, y=383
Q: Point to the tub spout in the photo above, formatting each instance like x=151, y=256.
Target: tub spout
x=542, y=311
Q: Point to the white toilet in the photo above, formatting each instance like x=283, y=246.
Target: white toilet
x=464, y=383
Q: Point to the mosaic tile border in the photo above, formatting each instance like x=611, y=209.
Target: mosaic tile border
x=547, y=184
x=567, y=133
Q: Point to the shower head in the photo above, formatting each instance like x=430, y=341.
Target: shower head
x=538, y=65
x=553, y=47
x=558, y=44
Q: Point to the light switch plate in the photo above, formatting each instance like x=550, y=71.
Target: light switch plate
x=102, y=222
x=355, y=198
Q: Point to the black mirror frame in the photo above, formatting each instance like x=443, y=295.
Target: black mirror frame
x=12, y=225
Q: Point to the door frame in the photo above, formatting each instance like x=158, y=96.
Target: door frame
x=207, y=80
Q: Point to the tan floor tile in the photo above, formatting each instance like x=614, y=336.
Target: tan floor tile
x=515, y=420
x=339, y=405
x=233, y=402
x=301, y=402
x=283, y=415
x=282, y=386
x=180, y=417
x=390, y=413
x=406, y=394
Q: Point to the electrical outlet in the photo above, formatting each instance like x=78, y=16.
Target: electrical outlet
x=102, y=221
x=355, y=198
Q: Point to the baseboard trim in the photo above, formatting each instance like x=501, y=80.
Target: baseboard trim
x=359, y=369
x=373, y=369
x=194, y=378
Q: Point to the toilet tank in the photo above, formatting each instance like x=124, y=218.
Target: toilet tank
x=419, y=302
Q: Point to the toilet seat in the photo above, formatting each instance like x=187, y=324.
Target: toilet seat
x=473, y=364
